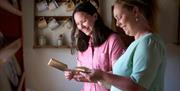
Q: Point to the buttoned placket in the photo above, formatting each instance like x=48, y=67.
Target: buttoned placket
x=92, y=48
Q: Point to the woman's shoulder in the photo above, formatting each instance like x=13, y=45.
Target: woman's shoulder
x=151, y=39
x=114, y=36
x=115, y=39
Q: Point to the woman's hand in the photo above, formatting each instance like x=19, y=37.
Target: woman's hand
x=81, y=73
x=86, y=75
x=78, y=74
x=95, y=75
x=81, y=77
x=68, y=75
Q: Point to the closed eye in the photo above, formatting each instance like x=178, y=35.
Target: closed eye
x=81, y=22
x=118, y=17
x=84, y=21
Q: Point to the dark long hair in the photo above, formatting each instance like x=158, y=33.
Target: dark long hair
x=100, y=31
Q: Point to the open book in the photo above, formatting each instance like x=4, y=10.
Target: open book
x=57, y=64
x=63, y=67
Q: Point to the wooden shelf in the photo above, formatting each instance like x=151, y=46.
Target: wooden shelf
x=7, y=6
x=57, y=17
x=56, y=12
x=9, y=50
x=10, y=14
x=20, y=87
x=50, y=46
x=61, y=15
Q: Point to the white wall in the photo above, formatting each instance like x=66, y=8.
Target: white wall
x=39, y=76
x=168, y=24
x=172, y=74
x=168, y=20
x=107, y=13
x=43, y=78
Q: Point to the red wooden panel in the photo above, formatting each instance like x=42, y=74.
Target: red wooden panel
x=10, y=25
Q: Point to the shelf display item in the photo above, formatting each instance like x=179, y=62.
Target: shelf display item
x=42, y=40
x=70, y=6
x=42, y=6
x=53, y=24
x=53, y=5
x=42, y=23
x=60, y=40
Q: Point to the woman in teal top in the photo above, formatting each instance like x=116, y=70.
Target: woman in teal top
x=143, y=62
x=141, y=67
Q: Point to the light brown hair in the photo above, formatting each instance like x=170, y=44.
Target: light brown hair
x=148, y=8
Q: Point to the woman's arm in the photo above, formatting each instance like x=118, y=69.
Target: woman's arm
x=121, y=82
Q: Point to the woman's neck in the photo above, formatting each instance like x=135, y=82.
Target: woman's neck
x=143, y=28
x=142, y=32
x=138, y=35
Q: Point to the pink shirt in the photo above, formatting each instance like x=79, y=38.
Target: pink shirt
x=101, y=58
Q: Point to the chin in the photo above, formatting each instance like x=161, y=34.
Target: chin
x=127, y=33
x=88, y=33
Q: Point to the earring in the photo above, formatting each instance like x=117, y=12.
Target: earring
x=95, y=15
x=137, y=19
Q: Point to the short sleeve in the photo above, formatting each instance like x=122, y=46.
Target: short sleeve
x=146, y=62
x=116, y=48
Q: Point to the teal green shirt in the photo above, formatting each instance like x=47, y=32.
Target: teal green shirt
x=143, y=62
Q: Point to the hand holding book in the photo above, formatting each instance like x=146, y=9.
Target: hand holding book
x=79, y=74
x=63, y=67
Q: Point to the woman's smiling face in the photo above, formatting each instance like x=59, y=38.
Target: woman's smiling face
x=124, y=19
x=85, y=22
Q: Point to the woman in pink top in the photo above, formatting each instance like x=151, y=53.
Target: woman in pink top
x=98, y=46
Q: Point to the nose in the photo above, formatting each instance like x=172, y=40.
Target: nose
x=118, y=24
x=80, y=26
